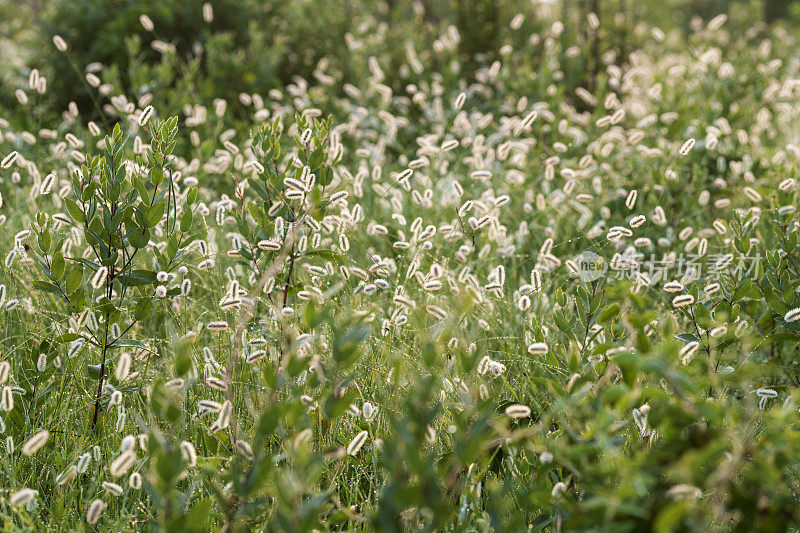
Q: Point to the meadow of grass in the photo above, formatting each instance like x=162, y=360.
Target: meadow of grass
x=408, y=295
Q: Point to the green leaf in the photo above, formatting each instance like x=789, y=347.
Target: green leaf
x=45, y=241
x=58, y=266
x=143, y=308
x=703, y=315
x=92, y=265
x=138, y=237
x=157, y=176
x=67, y=337
x=141, y=189
x=155, y=214
x=329, y=255
x=317, y=158
x=128, y=343
x=183, y=362
x=93, y=371
x=686, y=337
x=608, y=313
x=77, y=299
x=137, y=278
x=46, y=286
x=98, y=241
x=74, y=211
x=186, y=221
x=748, y=289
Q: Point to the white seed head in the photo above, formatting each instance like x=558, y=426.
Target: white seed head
x=94, y=511
x=35, y=443
x=358, y=441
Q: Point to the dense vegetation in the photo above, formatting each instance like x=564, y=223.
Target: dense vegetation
x=357, y=265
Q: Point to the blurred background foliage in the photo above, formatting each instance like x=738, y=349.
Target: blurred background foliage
x=254, y=46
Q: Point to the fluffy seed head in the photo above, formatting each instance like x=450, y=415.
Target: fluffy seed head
x=60, y=43
x=94, y=511
x=358, y=441
x=35, y=443
x=22, y=497
x=792, y=315
x=135, y=481
x=687, y=147
x=518, y=411
x=122, y=463
x=683, y=300
x=537, y=348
